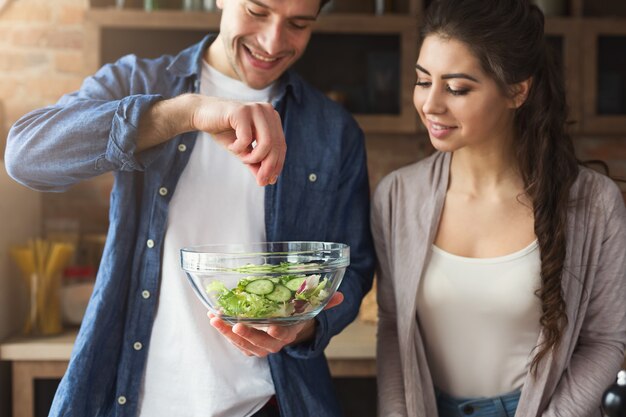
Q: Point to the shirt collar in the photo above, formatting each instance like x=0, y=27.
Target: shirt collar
x=188, y=63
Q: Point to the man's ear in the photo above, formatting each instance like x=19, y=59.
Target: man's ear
x=520, y=93
x=219, y=4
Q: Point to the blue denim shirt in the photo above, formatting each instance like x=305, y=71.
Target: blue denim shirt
x=93, y=131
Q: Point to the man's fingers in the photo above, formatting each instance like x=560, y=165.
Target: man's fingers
x=241, y=343
x=260, y=339
x=286, y=334
x=335, y=300
x=269, y=152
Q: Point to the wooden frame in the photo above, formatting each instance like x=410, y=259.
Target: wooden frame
x=592, y=30
x=24, y=375
x=569, y=30
x=407, y=29
x=99, y=19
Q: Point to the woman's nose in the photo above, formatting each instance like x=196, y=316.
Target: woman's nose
x=434, y=103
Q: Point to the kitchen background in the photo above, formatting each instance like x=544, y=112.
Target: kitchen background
x=48, y=47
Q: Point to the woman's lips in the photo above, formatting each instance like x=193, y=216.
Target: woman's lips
x=439, y=130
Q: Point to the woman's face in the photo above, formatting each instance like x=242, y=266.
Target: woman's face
x=460, y=105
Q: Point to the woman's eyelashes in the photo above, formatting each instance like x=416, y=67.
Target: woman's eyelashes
x=449, y=89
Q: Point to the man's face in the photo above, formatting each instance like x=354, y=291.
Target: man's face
x=260, y=39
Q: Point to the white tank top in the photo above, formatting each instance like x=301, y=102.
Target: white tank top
x=192, y=370
x=479, y=318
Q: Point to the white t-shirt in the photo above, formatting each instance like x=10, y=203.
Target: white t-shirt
x=192, y=370
x=480, y=320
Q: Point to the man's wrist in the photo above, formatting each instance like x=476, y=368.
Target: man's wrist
x=165, y=120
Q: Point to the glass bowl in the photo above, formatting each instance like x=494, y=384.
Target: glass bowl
x=266, y=283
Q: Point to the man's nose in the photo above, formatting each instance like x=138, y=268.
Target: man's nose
x=272, y=38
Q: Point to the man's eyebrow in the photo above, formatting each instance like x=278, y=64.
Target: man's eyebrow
x=297, y=17
x=448, y=76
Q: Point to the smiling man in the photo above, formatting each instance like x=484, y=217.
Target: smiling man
x=183, y=135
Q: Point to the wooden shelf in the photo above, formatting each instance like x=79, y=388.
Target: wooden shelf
x=200, y=20
x=160, y=19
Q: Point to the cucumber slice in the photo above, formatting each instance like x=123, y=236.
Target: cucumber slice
x=294, y=284
x=280, y=294
x=260, y=287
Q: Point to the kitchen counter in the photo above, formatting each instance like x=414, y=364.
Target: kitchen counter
x=356, y=342
x=350, y=354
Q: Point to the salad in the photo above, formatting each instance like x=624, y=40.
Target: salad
x=270, y=296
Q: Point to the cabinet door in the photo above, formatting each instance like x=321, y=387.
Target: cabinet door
x=367, y=63
x=604, y=75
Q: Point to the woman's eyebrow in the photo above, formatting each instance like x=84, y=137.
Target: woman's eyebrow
x=448, y=76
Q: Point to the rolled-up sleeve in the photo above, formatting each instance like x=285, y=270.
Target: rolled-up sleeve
x=85, y=134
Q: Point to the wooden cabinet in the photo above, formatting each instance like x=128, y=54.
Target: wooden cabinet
x=351, y=354
x=604, y=75
x=363, y=60
x=594, y=53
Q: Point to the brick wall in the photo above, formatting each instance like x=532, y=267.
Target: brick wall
x=40, y=55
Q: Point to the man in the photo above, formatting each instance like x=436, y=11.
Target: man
x=181, y=133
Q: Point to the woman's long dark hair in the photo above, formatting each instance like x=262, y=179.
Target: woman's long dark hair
x=507, y=37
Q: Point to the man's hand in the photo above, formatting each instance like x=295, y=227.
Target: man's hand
x=235, y=125
x=255, y=342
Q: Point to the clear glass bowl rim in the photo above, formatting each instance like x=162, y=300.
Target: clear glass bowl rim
x=201, y=254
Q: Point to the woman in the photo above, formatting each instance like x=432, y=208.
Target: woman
x=502, y=261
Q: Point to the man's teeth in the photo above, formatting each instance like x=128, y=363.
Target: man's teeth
x=262, y=58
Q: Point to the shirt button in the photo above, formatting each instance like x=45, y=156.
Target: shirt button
x=137, y=346
x=145, y=294
x=150, y=243
x=121, y=400
x=163, y=191
x=182, y=147
x=312, y=177
x=468, y=409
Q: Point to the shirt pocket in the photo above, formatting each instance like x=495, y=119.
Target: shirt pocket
x=307, y=195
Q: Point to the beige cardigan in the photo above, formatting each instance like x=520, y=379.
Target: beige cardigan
x=406, y=210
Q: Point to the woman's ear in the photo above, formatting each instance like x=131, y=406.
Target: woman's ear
x=520, y=93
